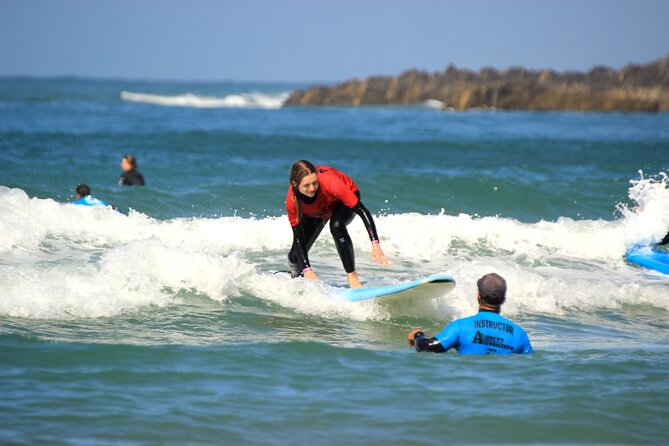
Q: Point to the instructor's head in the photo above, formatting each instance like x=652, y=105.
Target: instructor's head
x=492, y=290
x=303, y=178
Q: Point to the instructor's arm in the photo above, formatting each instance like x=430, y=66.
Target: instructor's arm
x=418, y=339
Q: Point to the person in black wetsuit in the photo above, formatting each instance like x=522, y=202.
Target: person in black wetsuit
x=130, y=176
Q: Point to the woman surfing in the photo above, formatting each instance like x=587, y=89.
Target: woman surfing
x=317, y=194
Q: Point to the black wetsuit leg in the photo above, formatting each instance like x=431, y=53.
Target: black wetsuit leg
x=312, y=228
x=341, y=217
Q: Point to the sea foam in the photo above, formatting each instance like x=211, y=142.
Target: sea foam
x=243, y=100
x=62, y=260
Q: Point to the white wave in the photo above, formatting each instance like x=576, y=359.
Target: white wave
x=647, y=220
x=62, y=260
x=125, y=278
x=434, y=103
x=242, y=100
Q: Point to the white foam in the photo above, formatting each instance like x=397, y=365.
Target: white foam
x=63, y=260
x=128, y=277
x=309, y=297
x=647, y=221
x=243, y=100
x=434, y=103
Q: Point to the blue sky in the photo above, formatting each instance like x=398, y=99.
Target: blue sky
x=321, y=41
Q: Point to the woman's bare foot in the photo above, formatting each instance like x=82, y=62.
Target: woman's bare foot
x=353, y=281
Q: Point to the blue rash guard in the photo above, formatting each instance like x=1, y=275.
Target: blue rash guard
x=89, y=200
x=482, y=334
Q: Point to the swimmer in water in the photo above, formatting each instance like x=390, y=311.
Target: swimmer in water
x=130, y=176
x=83, y=197
x=483, y=334
x=317, y=194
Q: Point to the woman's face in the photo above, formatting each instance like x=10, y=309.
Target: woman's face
x=309, y=185
x=125, y=165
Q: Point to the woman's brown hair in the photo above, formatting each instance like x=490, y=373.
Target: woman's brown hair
x=131, y=160
x=300, y=169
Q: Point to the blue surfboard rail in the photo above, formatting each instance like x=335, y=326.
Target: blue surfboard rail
x=647, y=257
x=359, y=294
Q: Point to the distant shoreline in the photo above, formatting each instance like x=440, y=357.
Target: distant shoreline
x=633, y=88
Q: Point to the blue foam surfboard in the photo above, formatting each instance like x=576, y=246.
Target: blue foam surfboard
x=427, y=288
x=646, y=257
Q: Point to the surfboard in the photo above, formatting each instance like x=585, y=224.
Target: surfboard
x=426, y=288
x=648, y=258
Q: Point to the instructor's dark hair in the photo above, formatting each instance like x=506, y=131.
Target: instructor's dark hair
x=492, y=289
x=300, y=169
x=83, y=190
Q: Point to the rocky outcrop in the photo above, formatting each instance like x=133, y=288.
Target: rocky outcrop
x=633, y=88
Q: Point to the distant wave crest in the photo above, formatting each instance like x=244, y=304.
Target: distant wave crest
x=242, y=100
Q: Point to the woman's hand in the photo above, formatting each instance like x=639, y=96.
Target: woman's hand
x=378, y=256
x=309, y=274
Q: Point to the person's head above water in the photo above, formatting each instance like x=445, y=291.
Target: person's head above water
x=82, y=191
x=492, y=291
x=303, y=178
x=128, y=163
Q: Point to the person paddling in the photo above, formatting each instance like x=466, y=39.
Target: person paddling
x=82, y=196
x=482, y=334
x=315, y=195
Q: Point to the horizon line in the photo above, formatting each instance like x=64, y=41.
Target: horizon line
x=97, y=77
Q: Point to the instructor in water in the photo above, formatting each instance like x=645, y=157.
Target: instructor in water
x=317, y=194
x=482, y=334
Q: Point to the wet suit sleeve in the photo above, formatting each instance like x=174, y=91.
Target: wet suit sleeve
x=301, y=242
x=423, y=344
x=367, y=219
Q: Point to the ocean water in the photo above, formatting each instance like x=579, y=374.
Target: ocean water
x=168, y=326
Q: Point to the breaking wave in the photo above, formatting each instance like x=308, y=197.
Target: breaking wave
x=61, y=260
x=242, y=100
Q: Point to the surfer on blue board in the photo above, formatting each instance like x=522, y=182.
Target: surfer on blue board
x=83, y=197
x=483, y=334
x=130, y=176
x=317, y=194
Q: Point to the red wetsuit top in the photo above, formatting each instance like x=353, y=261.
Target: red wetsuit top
x=333, y=187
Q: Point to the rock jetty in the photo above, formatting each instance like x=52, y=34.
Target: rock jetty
x=634, y=88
